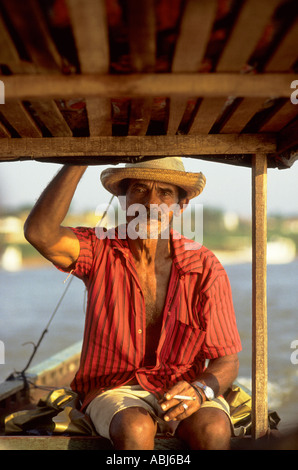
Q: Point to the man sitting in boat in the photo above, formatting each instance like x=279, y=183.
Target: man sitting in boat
x=158, y=308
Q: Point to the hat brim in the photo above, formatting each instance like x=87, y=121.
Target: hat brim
x=192, y=183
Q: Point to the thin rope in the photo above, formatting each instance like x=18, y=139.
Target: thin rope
x=36, y=346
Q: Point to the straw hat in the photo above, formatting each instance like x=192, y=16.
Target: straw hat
x=165, y=170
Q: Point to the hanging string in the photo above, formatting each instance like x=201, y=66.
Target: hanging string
x=36, y=346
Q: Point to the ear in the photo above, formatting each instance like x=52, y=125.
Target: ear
x=183, y=203
x=180, y=207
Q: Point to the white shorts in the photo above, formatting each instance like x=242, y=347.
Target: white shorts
x=106, y=405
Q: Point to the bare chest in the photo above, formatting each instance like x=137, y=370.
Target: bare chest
x=154, y=283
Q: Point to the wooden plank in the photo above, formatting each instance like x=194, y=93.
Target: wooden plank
x=288, y=137
x=88, y=148
x=140, y=113
x=89, y=25
x=208, y=112
x=286, y=53
x=8, y=52
x=99, y=116
x=143, y=85
x=190, y=49
x=3, y=131
x=52, y=118
x=9, y=388
x=281, y=118
x=247, y=31
x=176, y=110
x=90, y=29
x=53, y=443
x=259, y=297
x=79, y=443
x=196, y=25
x=246, y=109
x=142, y=35
x=20, y=119
x=142, y=41
x=15, y=113
x=28, y=19
x=48, y=111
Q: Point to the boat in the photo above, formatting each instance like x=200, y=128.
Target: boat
x=29, y=411
x=109, y=82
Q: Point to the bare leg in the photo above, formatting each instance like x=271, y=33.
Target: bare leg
x=133, y=429
x=207, y=429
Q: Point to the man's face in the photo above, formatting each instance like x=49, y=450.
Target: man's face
x=150, y=207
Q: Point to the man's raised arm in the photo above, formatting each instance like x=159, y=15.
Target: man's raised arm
x=43, y=227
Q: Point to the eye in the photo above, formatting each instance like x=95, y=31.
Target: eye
x=166, y=192
x=139, y=189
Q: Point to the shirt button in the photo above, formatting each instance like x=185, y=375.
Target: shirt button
x=140, y=331
x=182, y=277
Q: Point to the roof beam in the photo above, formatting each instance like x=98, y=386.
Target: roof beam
x=24, y=87
x=90, y=148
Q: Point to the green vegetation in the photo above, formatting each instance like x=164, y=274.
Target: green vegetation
x=222, y=231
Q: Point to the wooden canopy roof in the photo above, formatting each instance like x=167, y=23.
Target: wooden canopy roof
x=97, y=81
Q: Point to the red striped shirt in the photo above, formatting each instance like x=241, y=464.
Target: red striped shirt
x=198, y=318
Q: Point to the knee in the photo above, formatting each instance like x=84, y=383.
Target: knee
x=207, y=430
x=216, y=435
x=132, y=428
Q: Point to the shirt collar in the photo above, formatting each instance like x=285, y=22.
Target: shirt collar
x=186, y=253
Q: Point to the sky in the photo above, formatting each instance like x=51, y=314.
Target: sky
x=228, y=187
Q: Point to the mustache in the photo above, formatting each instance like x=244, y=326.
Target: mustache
x=152, y=215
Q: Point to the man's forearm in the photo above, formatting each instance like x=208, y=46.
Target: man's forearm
x=221, y=373
x=51, y=208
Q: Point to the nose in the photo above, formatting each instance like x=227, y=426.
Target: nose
x=152, y=198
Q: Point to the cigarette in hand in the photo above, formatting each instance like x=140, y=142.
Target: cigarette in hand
x=183, y=397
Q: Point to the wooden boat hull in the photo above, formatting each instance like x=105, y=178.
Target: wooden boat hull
x=57, y=372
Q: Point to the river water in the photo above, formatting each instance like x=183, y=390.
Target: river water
x=28, y=298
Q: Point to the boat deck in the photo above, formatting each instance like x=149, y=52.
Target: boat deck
x=57, y=372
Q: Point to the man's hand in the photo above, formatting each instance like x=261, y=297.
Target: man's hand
x=220, y=374
x=179, y=409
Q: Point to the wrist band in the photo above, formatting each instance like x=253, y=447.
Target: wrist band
x=199, y=393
